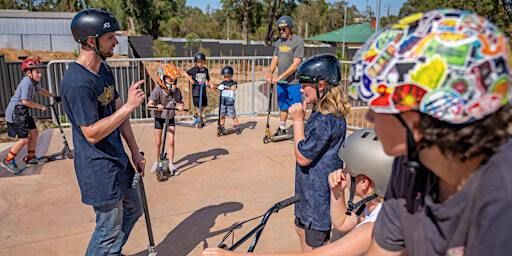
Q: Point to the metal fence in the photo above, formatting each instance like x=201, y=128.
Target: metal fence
x=52, y=42
x=10, y=77
x=251, y=96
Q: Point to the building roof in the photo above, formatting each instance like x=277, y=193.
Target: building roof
x=357, y=33
x=41, y=15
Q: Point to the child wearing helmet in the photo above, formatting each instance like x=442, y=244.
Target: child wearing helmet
x=19, y=122
x=228, y=87
x=366, y=180
x=316, y=146
x=438, y=87
x=166, y=95
x=201, y=79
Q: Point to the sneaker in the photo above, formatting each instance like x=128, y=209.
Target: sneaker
x=173, y=169
x=280, y=132
x=10, y=166
x=153, y=168
x=32, y=161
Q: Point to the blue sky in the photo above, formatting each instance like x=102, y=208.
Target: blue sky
x=394, y=4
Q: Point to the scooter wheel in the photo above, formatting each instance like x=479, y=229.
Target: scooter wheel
x=266, y=140
x=160, y=176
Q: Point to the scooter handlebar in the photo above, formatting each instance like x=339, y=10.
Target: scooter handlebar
x=136, y=176
x=287, y=202
x=155, y=107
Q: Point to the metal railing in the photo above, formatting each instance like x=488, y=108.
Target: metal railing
x=251, y=96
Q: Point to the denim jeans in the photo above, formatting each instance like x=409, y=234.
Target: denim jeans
x=114, y=223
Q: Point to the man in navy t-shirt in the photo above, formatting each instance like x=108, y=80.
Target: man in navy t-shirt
x=99, y=118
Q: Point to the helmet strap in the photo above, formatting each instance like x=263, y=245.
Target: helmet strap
x=422, y=179
x=359, y=206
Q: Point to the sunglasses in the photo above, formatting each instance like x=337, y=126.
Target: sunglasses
x=282, y=29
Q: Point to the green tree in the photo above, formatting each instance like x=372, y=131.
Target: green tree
x=163, y=49
x=192, y=43
x=247, y=13
x=148, y=14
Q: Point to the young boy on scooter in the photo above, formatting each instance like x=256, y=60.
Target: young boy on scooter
x=227, y=100
x=166, y=95
x=19, y=122
x=199, y=73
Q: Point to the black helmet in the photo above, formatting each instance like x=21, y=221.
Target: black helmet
x=93, y=22
x=285, y=21
x=320, y=67
x=227, y=70
x=199, y=56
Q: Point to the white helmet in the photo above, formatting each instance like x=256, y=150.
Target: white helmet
x=362, y=153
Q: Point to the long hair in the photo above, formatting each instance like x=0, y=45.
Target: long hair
x=334, y=102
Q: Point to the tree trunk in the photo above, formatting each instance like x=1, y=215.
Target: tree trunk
x=245, y=21
x=274, y=4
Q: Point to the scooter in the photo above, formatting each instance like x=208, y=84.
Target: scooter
x=220, y=129
x=198, y=121
x=162, y=170
x=258, y=230
x=65, y=153
x=269, y=137
x=137, y=181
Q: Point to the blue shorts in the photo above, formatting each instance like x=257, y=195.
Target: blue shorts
x=288, y=94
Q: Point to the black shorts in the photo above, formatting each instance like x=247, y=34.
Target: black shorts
x=314, y=238
x=196, y=101
x=21, y=129
x=160, y=122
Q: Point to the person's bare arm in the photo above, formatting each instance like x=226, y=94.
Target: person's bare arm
x=105, y=126
x=354, y=243
x=187, y=76
x=297, y=113
x=290, y=70
x=272, y=68
x=32, y=104
x=338, y=182
x=45, y=93
x=127, y=133
x=376, y=250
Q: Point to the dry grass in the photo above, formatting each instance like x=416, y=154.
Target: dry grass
x=13, y=54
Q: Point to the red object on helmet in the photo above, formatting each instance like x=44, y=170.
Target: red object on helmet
x=31, y=63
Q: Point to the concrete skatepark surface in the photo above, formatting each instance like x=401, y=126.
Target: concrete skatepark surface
x=222, y=180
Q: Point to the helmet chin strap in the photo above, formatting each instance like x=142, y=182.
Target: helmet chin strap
x=359, y=206
x=422, y=179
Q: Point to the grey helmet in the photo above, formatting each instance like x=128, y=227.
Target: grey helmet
x=362, y=153
x=285, y=21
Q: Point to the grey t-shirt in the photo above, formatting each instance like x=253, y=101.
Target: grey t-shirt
x=26, y=90
x=158, y=96
x=477, y=220
x=286, y=50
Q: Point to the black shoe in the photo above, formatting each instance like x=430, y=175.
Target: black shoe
x=280, y=132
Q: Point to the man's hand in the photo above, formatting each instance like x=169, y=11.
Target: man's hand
x=216, y=252
x=160, y=107
x=135, y=95
x=338, y=180
x=268, y=78
x=296, y=111
x=139, y=161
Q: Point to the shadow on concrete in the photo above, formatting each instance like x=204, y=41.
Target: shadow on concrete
x=195, y=229
x=248, y=125
x=195, y=159
x=43, y=143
